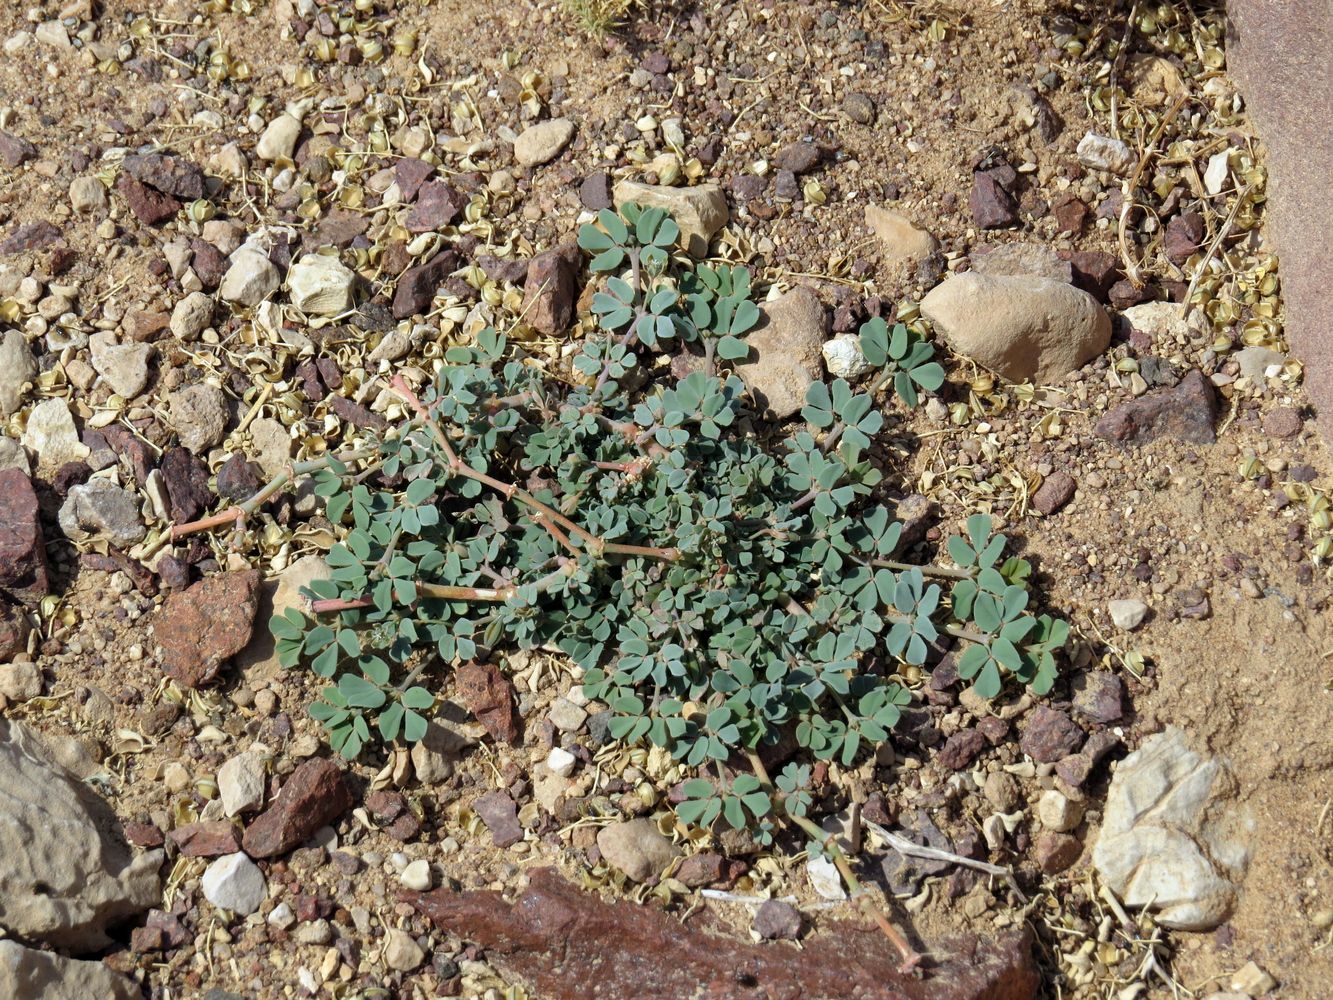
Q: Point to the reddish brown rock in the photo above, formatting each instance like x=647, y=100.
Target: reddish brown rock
x=315, y=795
x=144, y=835
x=198, y=629
x=149, y=206
x=1049, y=735
x=186, y=479
x=173, y=175
x=500, y=814
x=1095, y=271
x=552, y=286
x=1182, y=237
x=417, y=286
x=145, y=326
x=486, y=693
x=992, y=206
x=15, y=151
x=23, y=574
x=410, y=174
x=1185, y=413
x=1054, y=852
x=1284, y=422
x=1056, y=490
x=559, y=939
x=699, y=870
x=206, y=840
x=392, y=811
x=30, y=236
x=437, y=205
x=961, y=749
x=1070, y=214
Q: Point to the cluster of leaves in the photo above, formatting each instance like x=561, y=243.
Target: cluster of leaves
x=716, y=593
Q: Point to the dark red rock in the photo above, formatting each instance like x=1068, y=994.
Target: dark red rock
x=1054, y=852
x=30, y=236
x=132, y=449
x=995, y=729
x=14, y=630
x=1076, y=768
x=559, y=939
x=186, y=478
x=437, y=206
x=23, y=573
x=552, y=286
x=1095, y=271
x=503, y=268
x=1099, y=696
x=961, y=749
x=173, y=572
x=748, y=187
x=15, y=151
x=338, y=229
x=210, y=839
x=209, y=263
x=1284, y=422
x=198, y=629
x=498, y=812
x=991, y=205
x=1182, y=237
x=485, y=692
x=356, y=414
x=776, y=920
x=699, y=870
x=148, y=205
x=410, y=174
x=144, y=835
x=173, y=175
x=161, y=930
x=1056, y=490
x=595, y=191
x=144, y=326
x=1070, y=214
x=394, y=814
x=1185, y=413
x=315, y=795
x=417, y=286
x=798, y=157
x=1124, y=293
x=1049, y=735
x=68, y=476
x=238, y=478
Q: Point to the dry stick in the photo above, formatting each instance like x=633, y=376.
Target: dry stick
x=1131, y=185
x=911, y=957
x=904, y=846
x=1212, y=248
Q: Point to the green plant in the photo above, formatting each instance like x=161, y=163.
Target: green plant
x=716, y=593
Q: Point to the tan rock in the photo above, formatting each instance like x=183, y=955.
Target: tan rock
x=1020, y=327
x=905, y=244
x=785, y=353
x=542, y=142
x=27, y=972
x=700, y=211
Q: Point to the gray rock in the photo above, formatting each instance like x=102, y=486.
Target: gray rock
x=250, y=279
x=1254, y=362
x=1172, y=834
x=321, y=285
x=776, y=920
x=17, y=366
x=566, y=716
x=1101, y=152
x=1020, y=327
x=124, y=366
x=1127, y=614
x=101, y=509
x=191, y=316
x=446, y=738
x=700, y=211
x=637, y=848
x=199, y=416
x=52, y=436
x=843, y=357
x=785, y=353
x=27, y=972
x=234, y=882
x=541, y=143
x=68, y=873
x=12, y=456
x=241, y=783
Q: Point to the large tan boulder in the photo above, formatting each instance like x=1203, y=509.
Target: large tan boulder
x=1022, y=327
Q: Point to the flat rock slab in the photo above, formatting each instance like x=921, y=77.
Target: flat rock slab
x=26, y=972
x=562, y=940
x=1278, y=51
x=200, y=628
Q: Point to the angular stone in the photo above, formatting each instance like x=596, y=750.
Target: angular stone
x=961, y=749
x=321, y=285
x=1185, y=413
x=498, y=811
x=991, y=205
x=68, y=873
x=1019, y=327
x=101, y=509
x=559, y=939
x=210, y=839
x=552, y=287
x=1099, y=696
x=30, y=236
x=417, y=287
x=186, y=478
x=17, y=368
x=776, y=920
x=700, y=211
x=15, y=151
x=437, y=206
x=198, y=629
x=1173, y=836
x=541, y=143
x=488, y=695
x=199, y=415
x=409, y=174
x=23, y=572
x=637, y=848
x=315, y=795
x=401, y=952
x=173, y=175
x=241, y=783
x=87, y=196
x=124, y=366
x=250, y=278
x=1049, y=735
x=234, y=883
x=595, y=191
x=1055, y=852
x=904, y=243
x=52, y=436
x=1182, y=237
x=798, y=157
x=1100, y=152
x=27, y=972
x=785, y=353
x=149, y=207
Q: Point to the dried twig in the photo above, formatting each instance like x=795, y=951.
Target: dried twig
x=904, y=846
